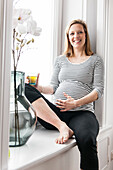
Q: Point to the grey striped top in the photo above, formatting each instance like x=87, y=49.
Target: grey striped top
x=78, y=80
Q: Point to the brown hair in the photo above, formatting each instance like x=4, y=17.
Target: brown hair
x=68, y=47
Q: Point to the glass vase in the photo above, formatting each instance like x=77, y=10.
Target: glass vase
x=22, y=115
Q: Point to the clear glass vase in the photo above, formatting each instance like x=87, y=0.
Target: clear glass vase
x=22, y=115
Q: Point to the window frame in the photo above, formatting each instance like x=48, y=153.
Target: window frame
x=102, y=50
x=57, y=29
x=5, y=56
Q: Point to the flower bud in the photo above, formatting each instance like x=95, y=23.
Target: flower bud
x=17, y=48
x=18, y=39
x=32, y=40
x=28, y=42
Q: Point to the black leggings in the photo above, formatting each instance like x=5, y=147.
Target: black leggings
x=83, y=123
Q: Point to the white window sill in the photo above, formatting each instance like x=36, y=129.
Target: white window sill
x=40, y=147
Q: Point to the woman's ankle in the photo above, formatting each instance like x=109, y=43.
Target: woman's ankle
x=60, y=125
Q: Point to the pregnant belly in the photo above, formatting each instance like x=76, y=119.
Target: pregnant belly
x=74, y=89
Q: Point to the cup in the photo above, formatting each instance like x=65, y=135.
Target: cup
x=32, y=80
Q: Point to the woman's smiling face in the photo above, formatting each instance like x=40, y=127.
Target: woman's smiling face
x=77, y=36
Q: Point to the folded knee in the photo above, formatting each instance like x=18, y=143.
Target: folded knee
x=87, y=142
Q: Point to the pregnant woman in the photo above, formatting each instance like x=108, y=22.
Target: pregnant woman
x=77, y=81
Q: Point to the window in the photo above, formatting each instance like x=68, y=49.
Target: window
x=47, y=48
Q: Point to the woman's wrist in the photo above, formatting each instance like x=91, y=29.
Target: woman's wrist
x=91, y=97
x=40, y=88
x=77, y=103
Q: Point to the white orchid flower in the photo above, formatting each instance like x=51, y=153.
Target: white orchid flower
x=22, y=28
x=20, y=16
x=37, y=31
x=31, y=26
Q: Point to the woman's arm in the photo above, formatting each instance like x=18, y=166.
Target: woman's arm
x=91, y=97
x=45, y=89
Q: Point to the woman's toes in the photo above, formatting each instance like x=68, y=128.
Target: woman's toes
x=65, y=138
x=62, y=139
x=59, y=140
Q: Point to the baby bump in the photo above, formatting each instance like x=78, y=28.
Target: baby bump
x=74, y=89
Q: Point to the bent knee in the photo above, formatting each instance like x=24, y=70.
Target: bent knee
x=87, y=141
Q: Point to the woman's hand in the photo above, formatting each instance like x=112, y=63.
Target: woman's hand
x=37, y=83
x=37, y=86
x=67, y=104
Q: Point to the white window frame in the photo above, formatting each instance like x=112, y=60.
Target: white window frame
x=6, y=7
x=57, y=30
x=102, y=48
x=97, y=13
x=5, y=52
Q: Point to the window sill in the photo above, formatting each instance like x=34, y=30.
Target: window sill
x=39, y=148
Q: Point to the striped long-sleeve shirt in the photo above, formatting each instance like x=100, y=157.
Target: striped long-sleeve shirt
x=78, y=80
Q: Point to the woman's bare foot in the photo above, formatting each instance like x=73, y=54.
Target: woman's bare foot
x=65, y=134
